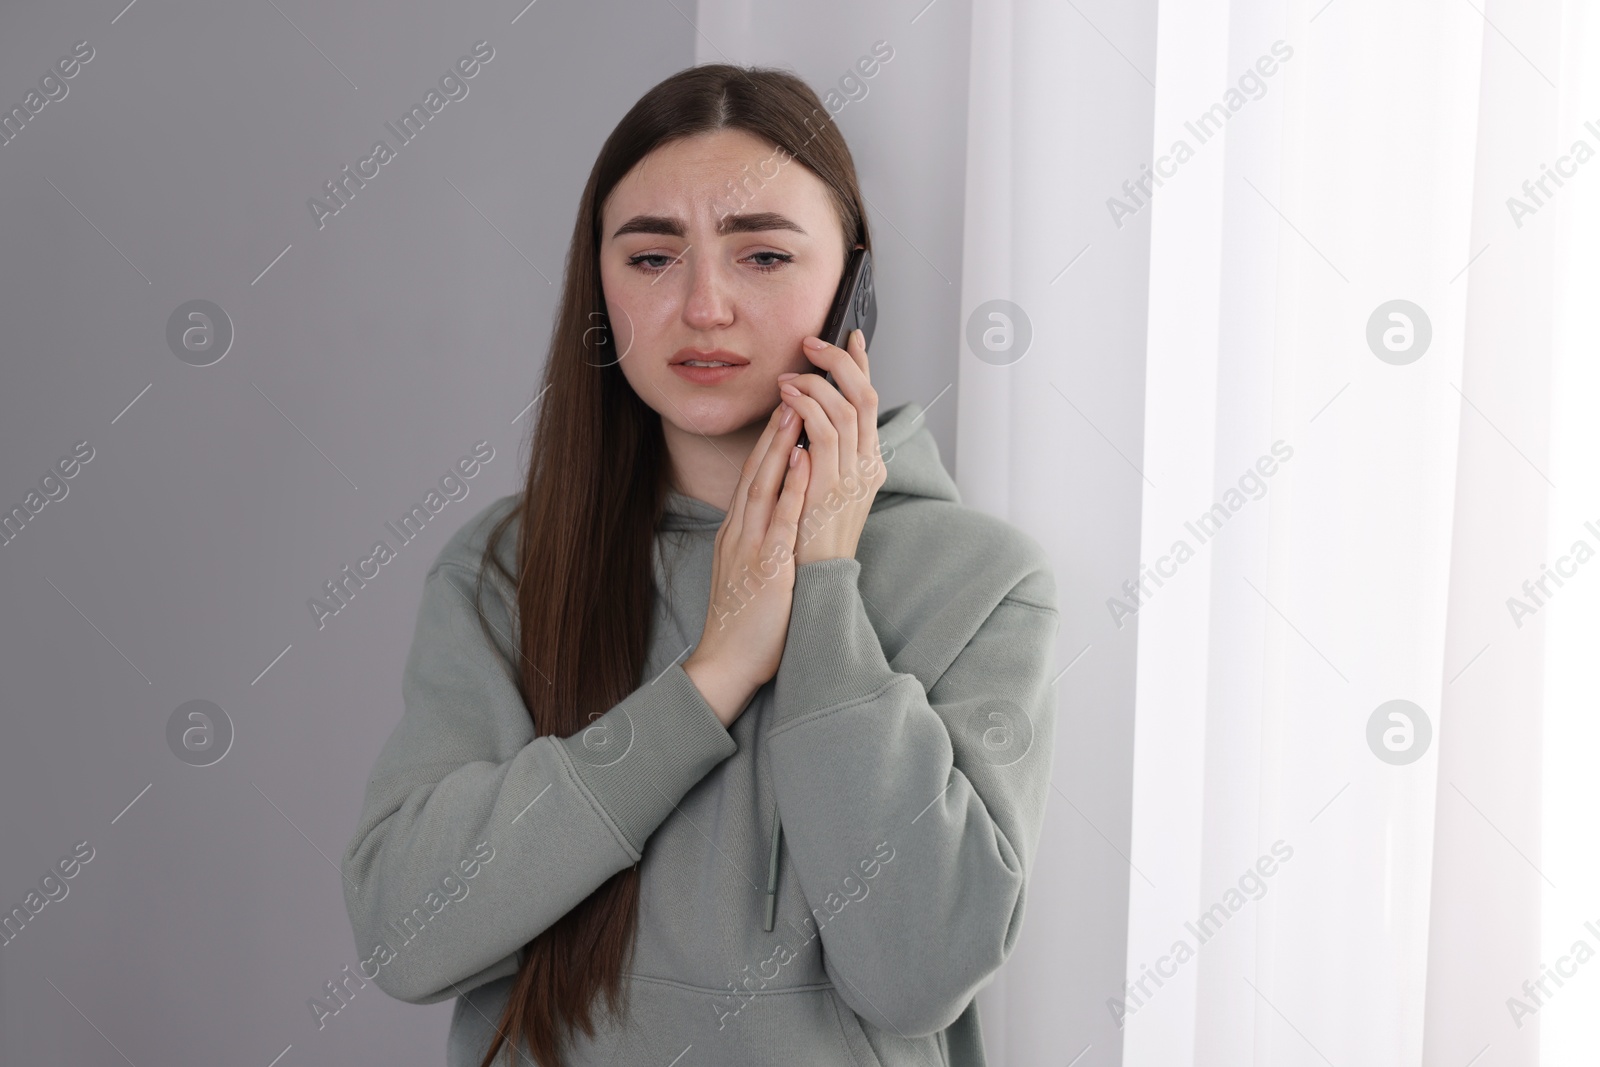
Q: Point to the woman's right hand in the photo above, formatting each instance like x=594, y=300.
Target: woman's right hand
x=752, y=572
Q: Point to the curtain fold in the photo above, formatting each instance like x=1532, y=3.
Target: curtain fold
x=1488, y=881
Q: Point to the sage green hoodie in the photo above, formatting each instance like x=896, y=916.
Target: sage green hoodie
x=829, y=882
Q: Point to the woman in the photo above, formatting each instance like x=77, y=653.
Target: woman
x=807, y=842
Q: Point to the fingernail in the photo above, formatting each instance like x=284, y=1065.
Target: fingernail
x=815, y=342
x=789, y=389
x=788, y=416
x=794, y=455
x=786, y=377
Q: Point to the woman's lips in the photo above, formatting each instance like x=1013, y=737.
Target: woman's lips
x=707, y=375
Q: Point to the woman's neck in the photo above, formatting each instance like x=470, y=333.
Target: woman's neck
x=708, y=468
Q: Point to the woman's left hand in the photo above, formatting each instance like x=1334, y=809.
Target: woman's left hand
x=842, y=425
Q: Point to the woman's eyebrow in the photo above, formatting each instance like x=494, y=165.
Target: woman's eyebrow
x=672, y=227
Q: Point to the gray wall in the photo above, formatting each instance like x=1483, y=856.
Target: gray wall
x=365, y=363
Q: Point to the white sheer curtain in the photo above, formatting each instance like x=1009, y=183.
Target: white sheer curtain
x=1376, y=563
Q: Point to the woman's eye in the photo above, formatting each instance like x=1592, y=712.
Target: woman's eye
x=656, y=262
x=636, y=261
x=782, y=257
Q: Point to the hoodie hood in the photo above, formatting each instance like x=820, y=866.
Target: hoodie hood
x=910, y=456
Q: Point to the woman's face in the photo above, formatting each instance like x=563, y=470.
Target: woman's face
x=680, y=286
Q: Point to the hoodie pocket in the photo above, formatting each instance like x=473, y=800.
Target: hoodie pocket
x=887, y=1049
x=855, y=1039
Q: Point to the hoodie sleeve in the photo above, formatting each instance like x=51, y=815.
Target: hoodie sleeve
x=949, y=782
x=462, y=769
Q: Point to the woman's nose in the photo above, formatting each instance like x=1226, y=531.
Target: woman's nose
x=708, y=302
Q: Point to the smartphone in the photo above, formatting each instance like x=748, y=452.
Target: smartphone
x=855, y=306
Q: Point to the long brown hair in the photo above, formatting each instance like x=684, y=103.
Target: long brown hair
x=596, y=485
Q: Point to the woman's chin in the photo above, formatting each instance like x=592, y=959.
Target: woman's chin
x=718, y=416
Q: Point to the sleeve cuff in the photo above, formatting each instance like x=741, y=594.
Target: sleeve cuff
x=640, y=758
